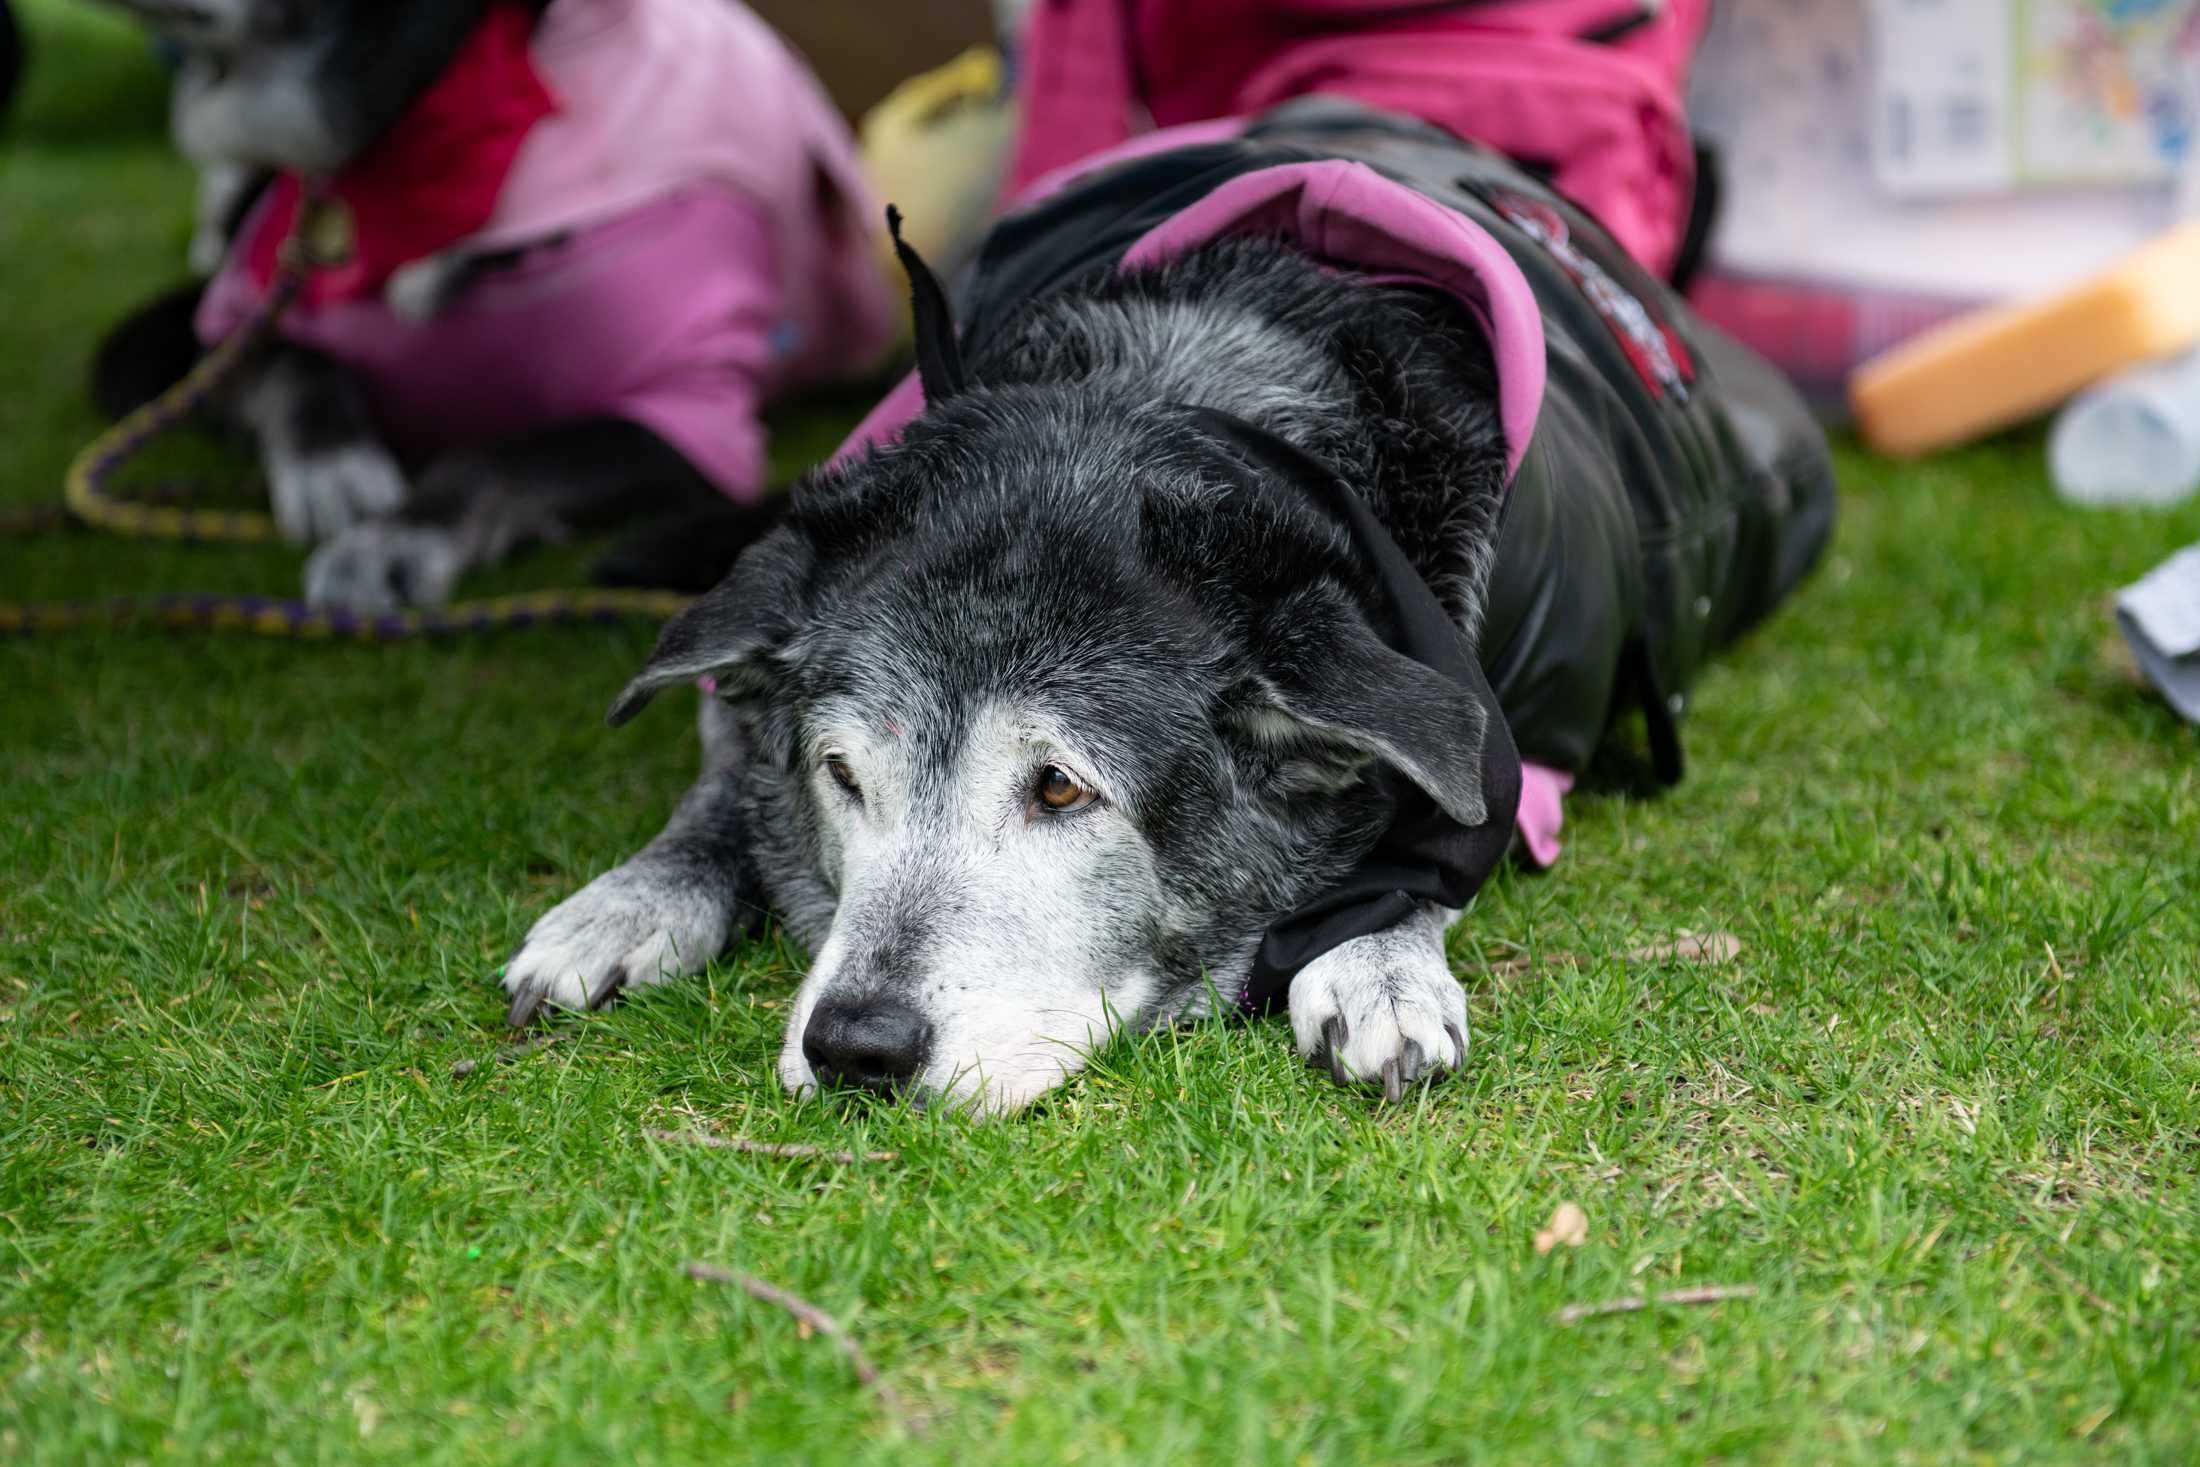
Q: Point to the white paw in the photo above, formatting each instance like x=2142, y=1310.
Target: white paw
x=316, y=495
x=1382, y=1009
x=223, y=187
x=382, y=566
x=631, y=927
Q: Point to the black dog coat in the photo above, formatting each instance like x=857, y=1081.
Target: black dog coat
x=1668, y=488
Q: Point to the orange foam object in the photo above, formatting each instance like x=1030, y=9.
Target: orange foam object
x=2001, y=365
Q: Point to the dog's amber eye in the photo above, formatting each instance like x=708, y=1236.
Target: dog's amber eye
x=842, y=775
x=1059, y=790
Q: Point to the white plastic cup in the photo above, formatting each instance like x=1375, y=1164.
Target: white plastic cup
x=2132, y=440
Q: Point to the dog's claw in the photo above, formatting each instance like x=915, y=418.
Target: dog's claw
x=1458, y=1042
x=609, y=991
x=525, y=1005
x=1394, y=1088
x=1413, y=1064
x=1334, y=1035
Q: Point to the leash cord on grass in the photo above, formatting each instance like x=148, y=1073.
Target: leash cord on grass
x=318, y=237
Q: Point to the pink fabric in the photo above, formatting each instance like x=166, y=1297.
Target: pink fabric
x=697, y=237
x=656, y=96
x=1348, y=214
x=1520, y=77
x=883, y=424
x=1542, y=811
x=665, y=316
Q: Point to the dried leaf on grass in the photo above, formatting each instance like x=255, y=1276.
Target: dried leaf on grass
x=1568, y=1225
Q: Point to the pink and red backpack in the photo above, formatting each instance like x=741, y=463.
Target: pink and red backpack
x=1586, y=93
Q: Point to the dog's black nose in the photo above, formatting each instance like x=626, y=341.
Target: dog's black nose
x=879, y=1046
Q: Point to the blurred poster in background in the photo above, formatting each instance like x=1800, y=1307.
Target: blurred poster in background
x=1888, y=164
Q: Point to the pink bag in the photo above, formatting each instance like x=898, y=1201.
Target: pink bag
x=1589, y=90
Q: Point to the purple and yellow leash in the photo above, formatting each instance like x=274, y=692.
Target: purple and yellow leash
x=321, y=237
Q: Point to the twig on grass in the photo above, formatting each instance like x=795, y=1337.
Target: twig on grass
x=1688, y=947
x=767, y=1148
x=505, y=1055
x=810, y=1315
x=1634, y=1303
x=2077, y=1286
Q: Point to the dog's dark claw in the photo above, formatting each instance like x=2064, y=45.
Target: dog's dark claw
x=1394, y=1088
x=608, y=992
x=1334, y=1034
x=1458, y=1041
x=525, y=1005
x=1413, y=1064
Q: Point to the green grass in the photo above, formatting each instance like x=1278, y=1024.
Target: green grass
x=1943, y=1112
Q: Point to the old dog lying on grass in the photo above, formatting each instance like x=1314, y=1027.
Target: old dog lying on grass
x=1116, y=686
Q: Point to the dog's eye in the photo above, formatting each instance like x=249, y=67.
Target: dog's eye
x=1060, y=791
x=842, y=775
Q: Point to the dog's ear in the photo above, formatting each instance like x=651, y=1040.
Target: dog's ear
x=1327, y=677
x=727, y=633
x=939, y=355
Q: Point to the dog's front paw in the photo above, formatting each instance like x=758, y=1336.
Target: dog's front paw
x=319, y=493
x=629, y=928
x=383, y=565
x=1382, y=1009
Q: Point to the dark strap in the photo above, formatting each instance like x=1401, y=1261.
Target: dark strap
x=1660, y=716
x=1424, y=855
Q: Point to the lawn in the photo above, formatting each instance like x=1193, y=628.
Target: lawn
x=1941, y=1113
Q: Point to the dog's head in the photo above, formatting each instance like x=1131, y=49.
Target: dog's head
x=1054, y=709
x=300, y=84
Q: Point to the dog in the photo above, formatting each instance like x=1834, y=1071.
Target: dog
x=1088, y=698
x=589, y=238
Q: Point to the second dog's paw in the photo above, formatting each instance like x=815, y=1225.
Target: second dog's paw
x=316, y=495
x=384, y=566
x=628, y=928
x=1382, y=1009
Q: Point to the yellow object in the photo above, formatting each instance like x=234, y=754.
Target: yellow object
x=937, y=146
x=2001, y=365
